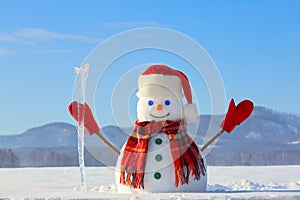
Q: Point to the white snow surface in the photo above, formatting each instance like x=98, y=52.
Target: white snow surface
x=251, y=182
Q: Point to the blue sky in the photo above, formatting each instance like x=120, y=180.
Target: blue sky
x=255, y=44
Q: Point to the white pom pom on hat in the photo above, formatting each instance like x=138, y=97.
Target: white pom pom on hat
x=161, y=80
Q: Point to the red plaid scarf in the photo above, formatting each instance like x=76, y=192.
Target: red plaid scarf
x=186, y=157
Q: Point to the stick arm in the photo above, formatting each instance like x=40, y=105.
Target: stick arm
x=212, y=140
x=117, y=151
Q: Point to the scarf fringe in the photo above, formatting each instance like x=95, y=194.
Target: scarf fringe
x=134, y=180
x=182, y=174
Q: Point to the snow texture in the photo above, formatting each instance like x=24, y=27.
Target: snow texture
x=264, y=182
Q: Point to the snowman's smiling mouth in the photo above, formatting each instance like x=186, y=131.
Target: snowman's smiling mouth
x=160, y=116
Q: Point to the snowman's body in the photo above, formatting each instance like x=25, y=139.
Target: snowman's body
x=160, y=99
x=159, y=169
x=164, y=167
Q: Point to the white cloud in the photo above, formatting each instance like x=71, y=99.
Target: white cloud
x=13, y=39
x=131, y=24
x=36, y=36
x=33, y=35
x=7, y=38
x=55, y=51
x=4, y=51
x=42, y=34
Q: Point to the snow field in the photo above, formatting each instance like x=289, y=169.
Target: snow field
x=251, y=182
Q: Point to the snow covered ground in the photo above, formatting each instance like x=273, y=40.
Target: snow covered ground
x=263, y=182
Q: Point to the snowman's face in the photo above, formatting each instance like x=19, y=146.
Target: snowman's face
x=159, y=108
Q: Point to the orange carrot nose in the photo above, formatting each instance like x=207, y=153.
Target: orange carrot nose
x=159, y=107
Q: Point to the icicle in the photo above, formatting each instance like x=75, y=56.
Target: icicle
x=81, y=78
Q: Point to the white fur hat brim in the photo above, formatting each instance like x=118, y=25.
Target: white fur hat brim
x=190, y=112
x=159, y=85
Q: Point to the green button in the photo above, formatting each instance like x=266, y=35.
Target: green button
x=158, y=157
x=157, y=175
x=158, y=141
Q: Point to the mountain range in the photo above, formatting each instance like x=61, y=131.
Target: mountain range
x=267, y=137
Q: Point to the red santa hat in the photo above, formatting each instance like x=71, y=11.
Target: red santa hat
x=161, y=80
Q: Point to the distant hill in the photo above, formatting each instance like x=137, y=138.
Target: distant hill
x=53, y=144
x=49, y=135
x=266, y=138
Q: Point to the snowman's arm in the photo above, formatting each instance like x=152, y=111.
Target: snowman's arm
x=212, y=140
x=117, y=151
x=235, y=115
x=83, y=115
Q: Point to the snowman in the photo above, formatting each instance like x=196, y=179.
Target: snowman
x=159, y=155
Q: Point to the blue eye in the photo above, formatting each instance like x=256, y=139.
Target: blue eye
x=150, y=102
x=167, y=102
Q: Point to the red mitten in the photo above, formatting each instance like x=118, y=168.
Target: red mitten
x=237, y=114
x=83, y=114
x=90, y=123
x=77, y=111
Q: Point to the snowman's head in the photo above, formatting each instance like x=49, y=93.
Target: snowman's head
x=161, y=91
x=158, y=108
